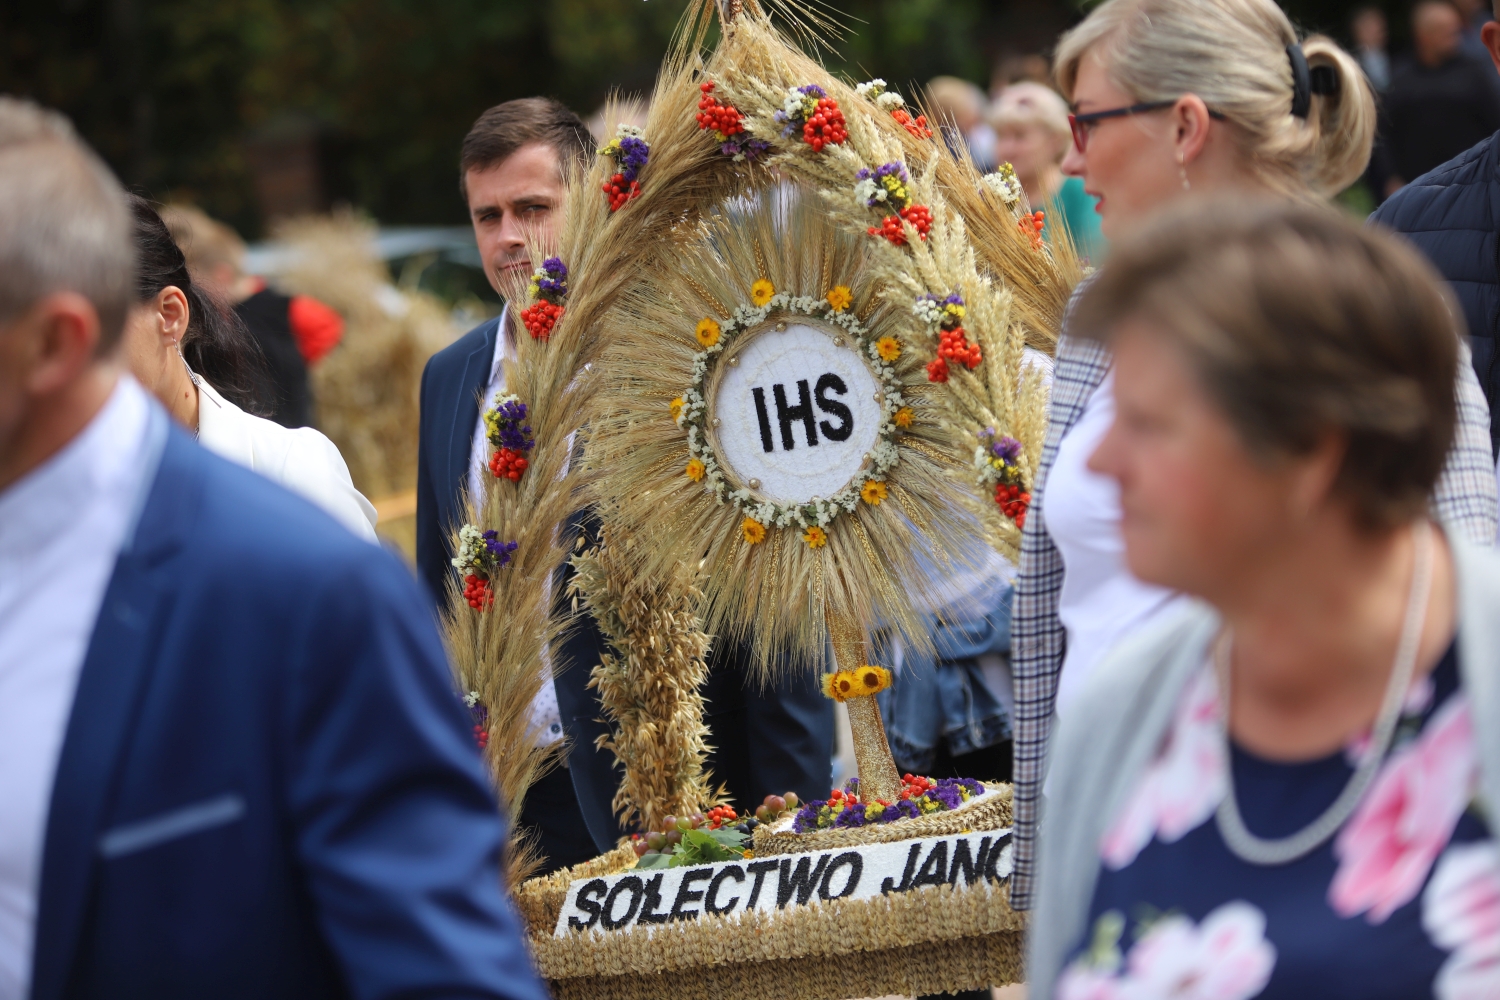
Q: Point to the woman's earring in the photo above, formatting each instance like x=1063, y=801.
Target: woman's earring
x=1182, y=172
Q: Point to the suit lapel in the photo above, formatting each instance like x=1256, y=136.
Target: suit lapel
x=114, y=673
x=463, y=413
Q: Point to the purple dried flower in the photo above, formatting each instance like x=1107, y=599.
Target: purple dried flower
x=500, y=550
x=813, y=90
x=954, y=300
x=510, y=432
x=633, y=155
x=553, y=280
x=904, y=809
x=1007, y=448
x=851, y=816
x=750, y=149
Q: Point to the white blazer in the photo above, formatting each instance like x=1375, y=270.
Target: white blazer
x=301, y=458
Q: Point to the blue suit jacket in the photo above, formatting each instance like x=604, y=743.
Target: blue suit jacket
x=267, y=786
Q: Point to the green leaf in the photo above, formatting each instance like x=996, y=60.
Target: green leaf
x=654, y=861
x=729, y=836
x=700, y=847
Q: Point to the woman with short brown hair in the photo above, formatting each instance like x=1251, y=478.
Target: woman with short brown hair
x=1281, y=789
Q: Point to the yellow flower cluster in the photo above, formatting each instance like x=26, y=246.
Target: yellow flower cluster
x=860, y=682
x=761, y=292
x=840, y=297
x=707, y=332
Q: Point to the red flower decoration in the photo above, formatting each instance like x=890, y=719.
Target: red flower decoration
x=954, y=346
x=621, y=191
x=937, y=370
x=1014, y=502
x=920, y=216
x=916, y=126
x=724, y=119
x=1032, y=225
x=478, y=593
x=826, y=126
x=507, y=464
x=540, y=318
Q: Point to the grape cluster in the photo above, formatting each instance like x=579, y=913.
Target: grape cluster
x=621, y=191
x=665, y=840
x=826, y=126
x=477, y=592
x=540, y=318
x=920, y=216
x=724, y=119
x=507, y=464
x=1013, y=501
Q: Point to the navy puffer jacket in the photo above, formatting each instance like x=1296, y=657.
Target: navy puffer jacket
x=1452, y=213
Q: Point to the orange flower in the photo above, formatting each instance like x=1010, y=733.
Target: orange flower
x=815, y=537
x=752, y=531
x=695, y=470
x=873, y=492
x=904, y=417
x=840, y=297
x=677, y=405
x=707, y=332
x=761, y=292
x=889, y=348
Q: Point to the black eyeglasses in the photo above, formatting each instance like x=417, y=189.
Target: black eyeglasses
x=1081, y=124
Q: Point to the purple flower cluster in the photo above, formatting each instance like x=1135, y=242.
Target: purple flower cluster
x=750, y=149
x=793, y=120
x=632, y=156
x=945, y=794
x=510, y=429
x=552, y=279
x=499, y=550
x=1006, y=448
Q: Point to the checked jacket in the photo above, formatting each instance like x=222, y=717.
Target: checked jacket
x=1465, y=501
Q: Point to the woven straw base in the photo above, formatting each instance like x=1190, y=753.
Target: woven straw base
x=965, y=964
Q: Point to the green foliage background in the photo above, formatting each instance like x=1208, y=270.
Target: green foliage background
x=169, y=90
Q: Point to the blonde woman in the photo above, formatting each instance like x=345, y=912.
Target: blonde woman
x=1175, y=99
x=1032, y=134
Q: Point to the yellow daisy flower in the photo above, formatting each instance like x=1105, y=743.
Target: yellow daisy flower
x=677, y=405
x=815, y=537
x=695, y=470
x=871, y=680
x=889, y=348
x=903, y=417
x=873, y=492
x=839, y=685
x=707, y=332
x=761, y=292
x=830, y=689
x=753, y=531
x=840, y=297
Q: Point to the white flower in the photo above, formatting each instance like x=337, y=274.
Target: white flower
x=889, y=101
x=871, y=89
x=1005, y=184
x=471, y=699
x=928, y=310
x=624, y=131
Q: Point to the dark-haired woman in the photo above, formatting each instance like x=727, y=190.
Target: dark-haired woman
x=196, y=357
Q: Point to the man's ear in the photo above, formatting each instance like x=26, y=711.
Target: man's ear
x=63, y=329
x=1490, y=35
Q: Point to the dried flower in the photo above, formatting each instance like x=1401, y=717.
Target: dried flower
x=903, y=417
x=873, y=492
x=695, y=470
x=870, y=680
x=707, y=332
x=761, y=292
x=676, y=405
x=752, y=531
x=840, y=297
x=815, y=537
x=1005, y=184
x=888, y=347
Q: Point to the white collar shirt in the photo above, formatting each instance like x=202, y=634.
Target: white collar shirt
x=62, y=526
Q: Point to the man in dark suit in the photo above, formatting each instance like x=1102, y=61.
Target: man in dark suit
x=231, y=760
x=512, y=175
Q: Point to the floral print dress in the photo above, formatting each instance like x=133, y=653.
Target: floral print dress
x=1403, y=902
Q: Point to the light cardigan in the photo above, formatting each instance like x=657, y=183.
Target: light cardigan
x=1116, y=726
x=298, y=458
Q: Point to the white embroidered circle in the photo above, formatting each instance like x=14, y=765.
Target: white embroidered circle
x=796, y=412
